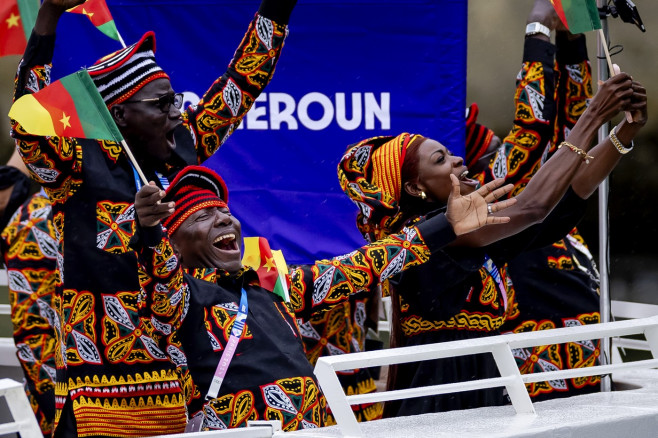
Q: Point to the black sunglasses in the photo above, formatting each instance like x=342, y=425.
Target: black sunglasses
x=163, y=102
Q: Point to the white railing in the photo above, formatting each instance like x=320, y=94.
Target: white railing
x=7, y=347
x=499, y=346
x=254, y=429
x=24, y=422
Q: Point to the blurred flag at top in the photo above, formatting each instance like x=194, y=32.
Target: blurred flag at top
x=578, y=15
x=99, y=15
x=17, y=18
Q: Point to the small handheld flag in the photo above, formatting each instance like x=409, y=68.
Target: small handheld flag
x=578, y=15
x=269, y=265
x=17, y=18
x=100, y=16
x=582, y=16
x=70, y=107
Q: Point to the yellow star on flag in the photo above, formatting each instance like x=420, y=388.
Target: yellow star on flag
x=12, y=21
x=269, y=264
x=88, y=14
x=65, y=120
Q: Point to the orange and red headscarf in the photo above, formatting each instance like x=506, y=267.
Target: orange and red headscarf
x=370, y=173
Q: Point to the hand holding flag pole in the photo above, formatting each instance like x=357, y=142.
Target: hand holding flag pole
x=70, y=107
x=581, y=16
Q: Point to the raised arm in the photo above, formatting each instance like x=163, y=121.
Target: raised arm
x=222, y=108
x=328, y=282
x=51, y=161
x=551, y=182
x=161, y=273
x=522, y=149
x=607, y=154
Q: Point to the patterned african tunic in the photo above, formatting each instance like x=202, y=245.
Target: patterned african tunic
x=269, y=378
x=464, y=293
x=112, y=379
x=342, y=330
x=29, y=249
x=555, y=286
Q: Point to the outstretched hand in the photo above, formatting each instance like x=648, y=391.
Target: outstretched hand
x=148, y=208
x=470, y=212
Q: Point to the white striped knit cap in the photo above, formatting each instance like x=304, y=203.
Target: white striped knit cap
x=121, y=74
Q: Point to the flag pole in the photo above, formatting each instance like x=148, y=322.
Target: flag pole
x=604, y=44
x=123, y=44
x=134, y=162
x=604, y=253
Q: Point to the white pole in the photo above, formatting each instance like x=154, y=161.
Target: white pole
x=604, y=253
x=134, y=162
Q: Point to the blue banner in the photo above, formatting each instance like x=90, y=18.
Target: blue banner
x=349, y=70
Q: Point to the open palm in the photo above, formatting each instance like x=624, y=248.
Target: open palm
x=470, y=212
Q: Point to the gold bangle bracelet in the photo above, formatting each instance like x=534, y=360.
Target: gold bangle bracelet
x=617, y=144
x=581, y=153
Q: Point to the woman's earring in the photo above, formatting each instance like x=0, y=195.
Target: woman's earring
x=423, y=196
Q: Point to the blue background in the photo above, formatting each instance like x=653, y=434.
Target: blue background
x=283, y=183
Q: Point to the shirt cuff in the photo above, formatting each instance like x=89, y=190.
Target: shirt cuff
x=570, y=51
x=436, y=232
x=146, y=237
x=536, y=50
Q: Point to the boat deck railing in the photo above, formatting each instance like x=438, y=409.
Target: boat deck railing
x=643, y=321
x=500, y=347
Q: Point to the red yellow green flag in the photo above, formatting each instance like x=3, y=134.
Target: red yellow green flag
x=17, y=18
x=269, y=265
x=578, y=15
x=70, y=107
x=99, y=14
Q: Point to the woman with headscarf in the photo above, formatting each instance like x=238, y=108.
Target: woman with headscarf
x=462, y=292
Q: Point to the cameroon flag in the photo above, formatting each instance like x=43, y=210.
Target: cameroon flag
x=578, y=15
x=17, y=18
x=269, y=265
x=99, y=14
x=70, y=107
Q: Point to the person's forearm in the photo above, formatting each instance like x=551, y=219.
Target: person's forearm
x=606, y=157
x=318, y=287
x=550, y=183
x=47, y=19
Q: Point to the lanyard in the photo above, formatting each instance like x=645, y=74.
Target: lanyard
x=138, y=182
x=493, y=271
x=229, y=350
x=195, y=424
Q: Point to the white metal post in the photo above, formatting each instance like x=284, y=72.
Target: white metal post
x=24, y=420
x=517, y=391
x=333, y=392
x=604, y=250
x=651, y=333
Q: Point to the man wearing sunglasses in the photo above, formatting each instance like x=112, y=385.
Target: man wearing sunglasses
x=111, y=378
